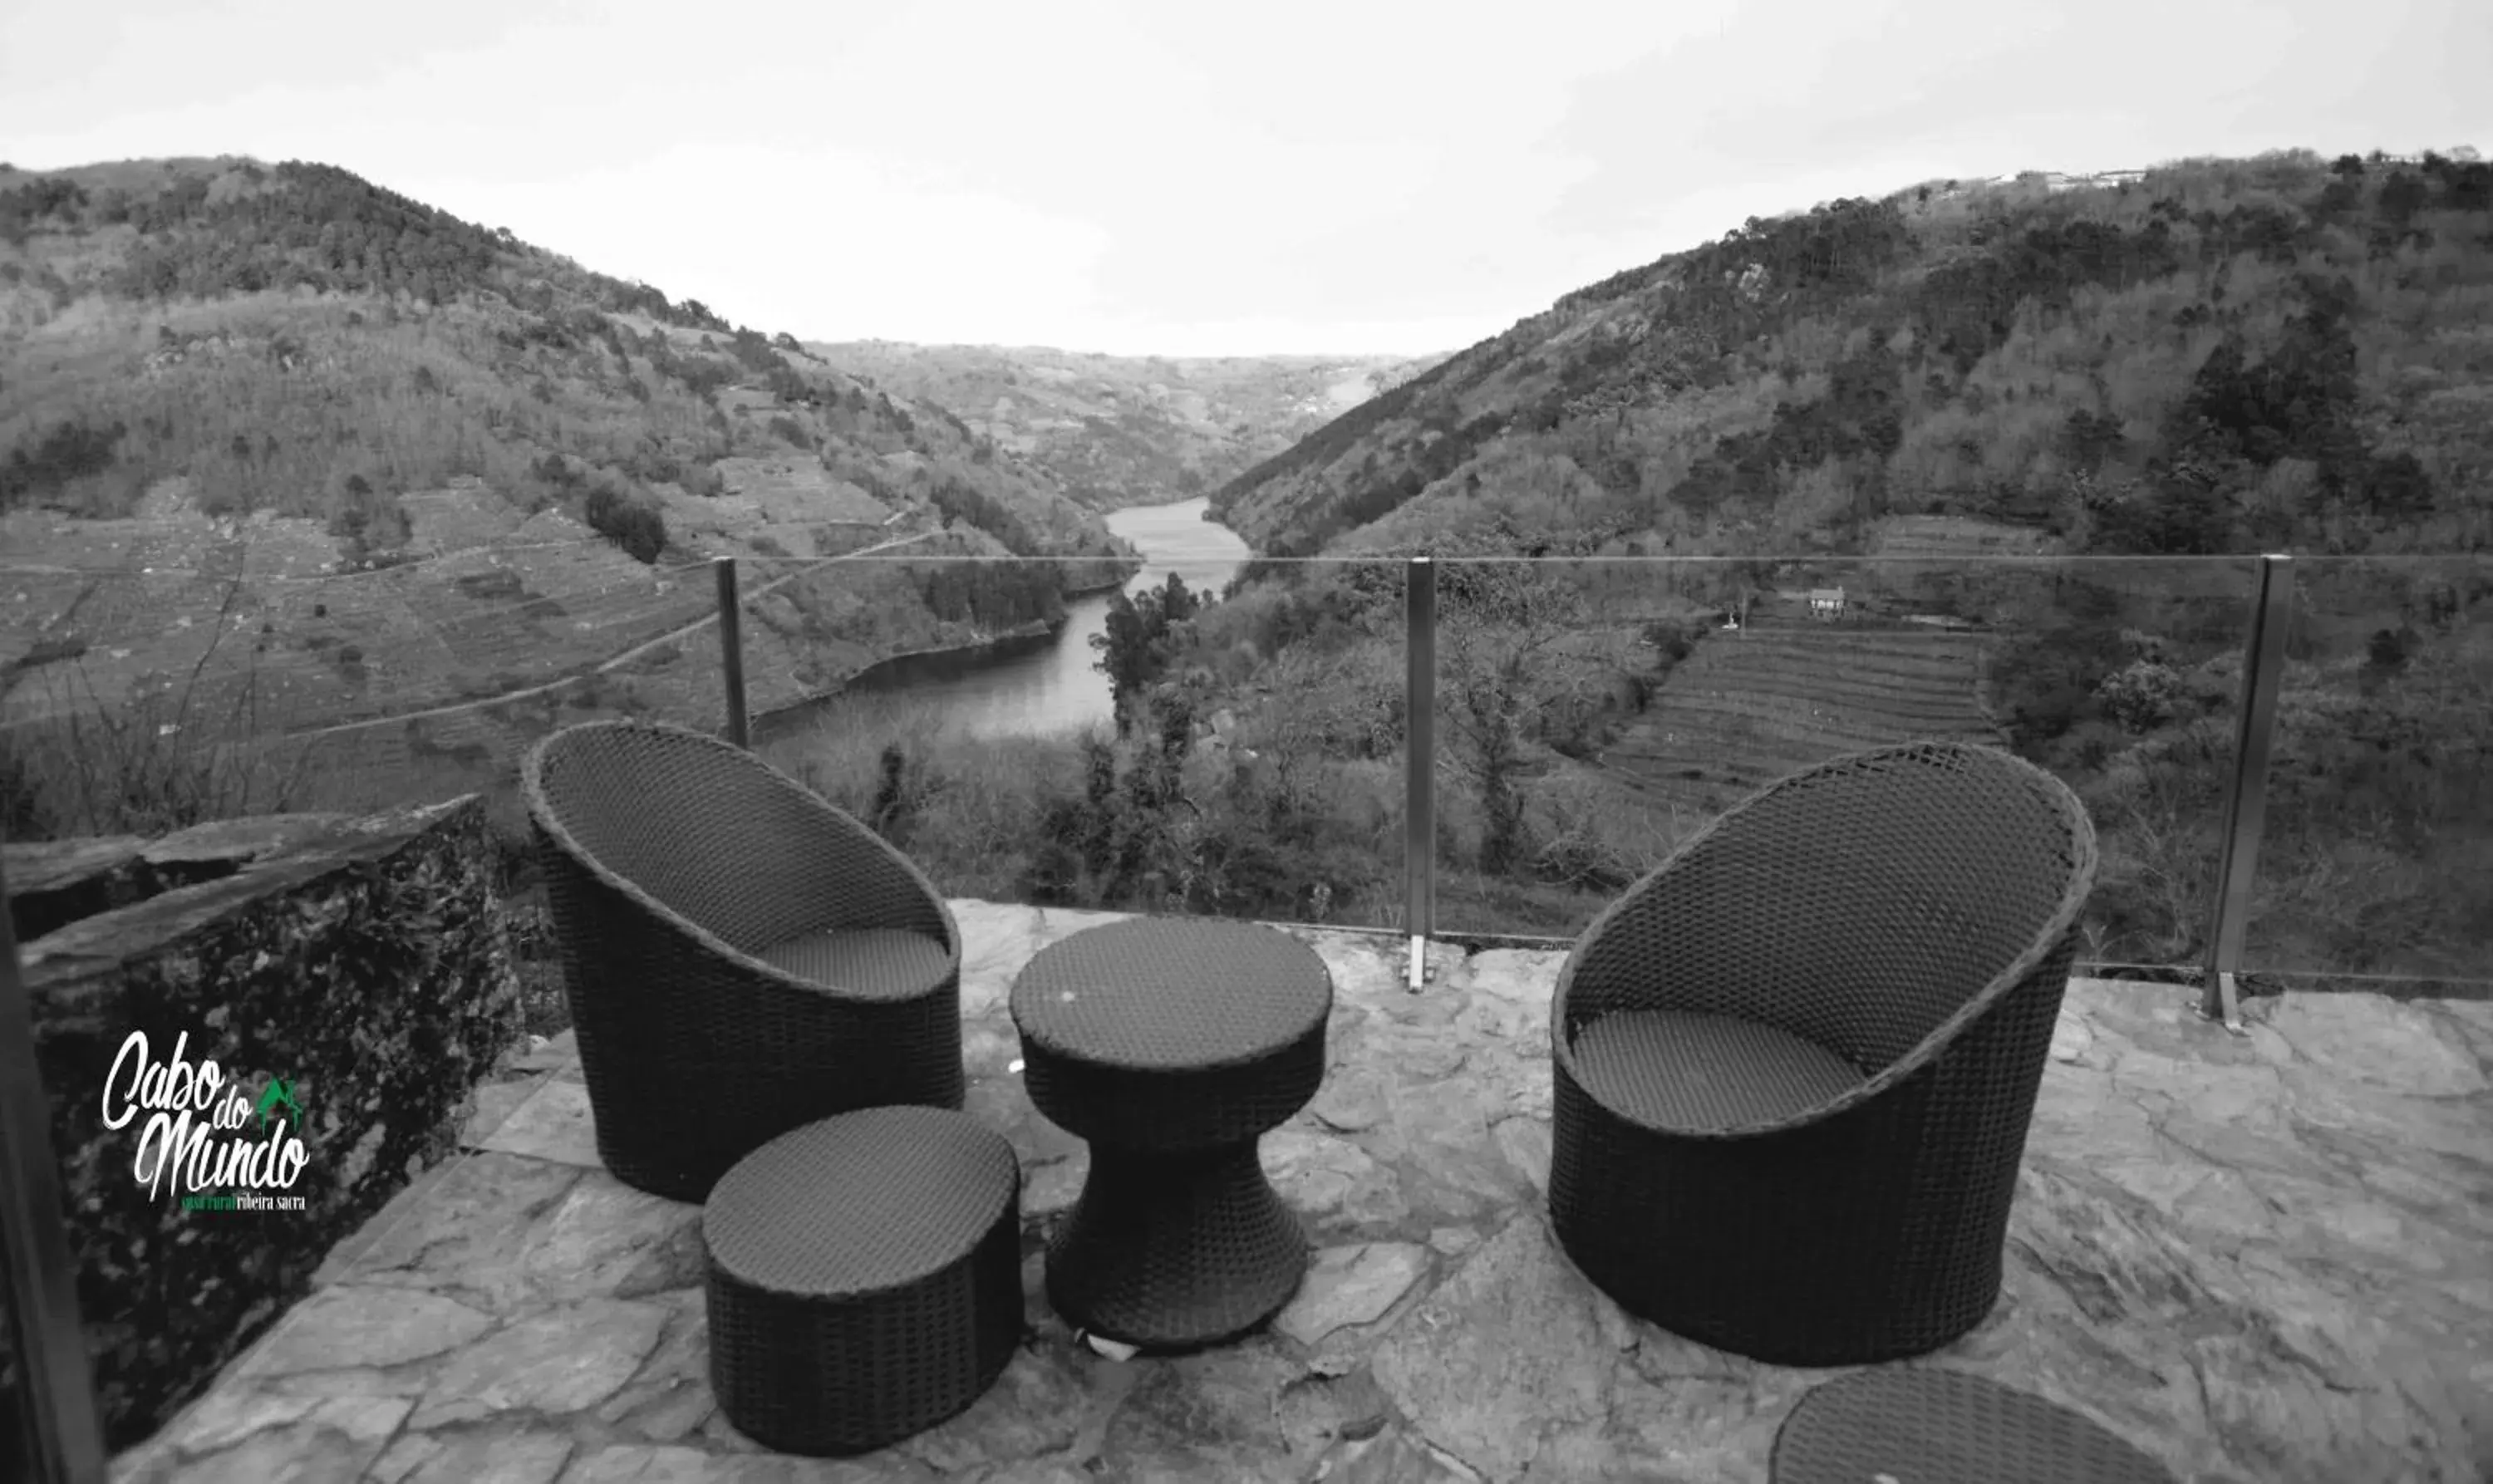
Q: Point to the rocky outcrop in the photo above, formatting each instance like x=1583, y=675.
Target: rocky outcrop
x=252, y=1035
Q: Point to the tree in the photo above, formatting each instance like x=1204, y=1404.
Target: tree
x=894, y=806
x=2402, y=197
x=1139, y=642
x=2401, y=489
x=2387, y=650
x=1501, y=623
x=70, y=449
x=640, y=531
x=2181, y=510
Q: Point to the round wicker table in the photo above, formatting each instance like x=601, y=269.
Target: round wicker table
x=1924, y=1425
x=864, y=1278
x=1171, y=1044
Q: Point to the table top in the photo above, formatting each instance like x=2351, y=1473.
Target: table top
x=1924, y=1424
x=1172, y=993
x=861, y=1203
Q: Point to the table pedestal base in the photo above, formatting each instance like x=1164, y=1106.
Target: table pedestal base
x=1175, y=1251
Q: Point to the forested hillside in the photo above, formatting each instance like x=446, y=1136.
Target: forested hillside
x=2010, y=431
x=296, y=340
x=2216, y=356
x=283, y=452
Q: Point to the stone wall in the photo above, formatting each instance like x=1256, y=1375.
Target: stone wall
x=362, y=963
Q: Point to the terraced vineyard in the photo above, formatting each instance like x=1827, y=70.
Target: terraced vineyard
x=1748, y=707
x=1956, y=539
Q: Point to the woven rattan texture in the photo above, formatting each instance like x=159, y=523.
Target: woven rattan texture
x=864, y=1279
x=1859, y=905
x=1157, y=993
x=1175, y=1111
x=1922, y=1425
x=1931, y=948
x=1677, y=1070
x=675, y=863
x=1171, y=1045
x=1172, y=1252
x=859, y=1203
x=875, y=964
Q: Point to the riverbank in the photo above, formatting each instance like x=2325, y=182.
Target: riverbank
x=1024, y=681
x=780, y=721
x=1102, y=587
x=1130, y=568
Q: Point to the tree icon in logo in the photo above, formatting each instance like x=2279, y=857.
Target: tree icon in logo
x=280, y=1092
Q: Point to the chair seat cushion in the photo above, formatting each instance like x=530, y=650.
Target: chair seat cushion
x=870, y=963
x=1677, y=1070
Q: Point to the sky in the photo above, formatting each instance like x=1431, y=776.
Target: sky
x=1353, y=177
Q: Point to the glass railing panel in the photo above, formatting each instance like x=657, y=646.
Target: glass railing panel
x=1238, y=756
x=17, y=1429
x=2377, y=859
x=1542, y=666
x=281, y=684
x=1603, y=710
x=2122, y=677
x=1208, y=742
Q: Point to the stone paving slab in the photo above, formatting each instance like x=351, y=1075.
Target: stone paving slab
x=2261, y=1258
x=551, y=1122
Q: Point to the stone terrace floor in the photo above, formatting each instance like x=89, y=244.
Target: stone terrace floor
x=2261, y=1258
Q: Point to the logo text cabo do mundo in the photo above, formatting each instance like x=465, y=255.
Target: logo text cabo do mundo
x=202, y=1132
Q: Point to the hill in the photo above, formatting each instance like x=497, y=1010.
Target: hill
x=2022, y=424
x=225, y=385
x=2204, y=357
x=2028, y=425
x=1119, y=430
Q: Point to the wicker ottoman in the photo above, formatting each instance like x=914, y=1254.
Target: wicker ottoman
x=1171, y=1044
x=1923, y=1425
x=864, y=1278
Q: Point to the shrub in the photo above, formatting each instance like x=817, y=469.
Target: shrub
x=640, y=531
x=163, y=760
x=370, y=522
x=70, y=449
x=2142, y=697
x=655, y=466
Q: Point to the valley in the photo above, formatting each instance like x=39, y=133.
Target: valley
x=1120, y=430
x=311, y=492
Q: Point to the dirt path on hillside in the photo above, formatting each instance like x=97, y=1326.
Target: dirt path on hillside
x=607, y=665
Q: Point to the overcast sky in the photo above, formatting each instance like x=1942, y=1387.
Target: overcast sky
x=1191, y=179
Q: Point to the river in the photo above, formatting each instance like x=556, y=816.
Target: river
x=1046, y=686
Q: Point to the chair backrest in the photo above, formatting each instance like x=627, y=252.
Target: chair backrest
x=1860, y=902
x=702, y=826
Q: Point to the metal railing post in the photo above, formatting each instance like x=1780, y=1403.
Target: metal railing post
x=56, y=1382
x=2246, y=800
x=731, y=644
x=1420, y=760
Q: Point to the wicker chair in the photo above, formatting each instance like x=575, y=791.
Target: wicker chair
x=740, y=957
x=1794, y=1067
